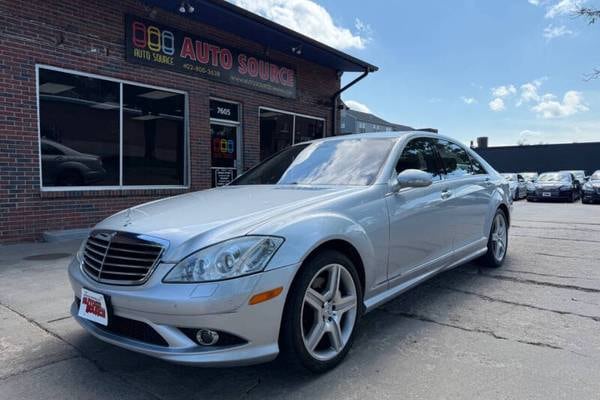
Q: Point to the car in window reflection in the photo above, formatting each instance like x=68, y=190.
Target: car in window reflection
x=591, y=189
x=555, y=186
x=288, y=257
x=64, y=166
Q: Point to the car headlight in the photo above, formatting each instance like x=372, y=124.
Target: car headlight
x=588, y=186
x=229, y=259
x=565, y=187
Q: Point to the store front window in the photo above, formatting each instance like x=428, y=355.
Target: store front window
x=97, y=132
x=279, y=129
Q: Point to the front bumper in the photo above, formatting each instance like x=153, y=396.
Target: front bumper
x=555, y=194
x=591, y=195
x=221, y=306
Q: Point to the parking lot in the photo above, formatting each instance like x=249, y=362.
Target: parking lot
x=528, y=330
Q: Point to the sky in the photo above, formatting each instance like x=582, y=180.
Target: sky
x=512, y=70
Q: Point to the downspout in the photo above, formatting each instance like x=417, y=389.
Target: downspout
x=336, y=96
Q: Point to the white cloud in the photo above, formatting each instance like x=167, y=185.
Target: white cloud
x=550, y=107
x=563, y=7
x=497, y=105
x=468, y=100
x=534, y=2
x=310, y=19
x=551, y=31
x=355, y=105
x=529, y=93
x=526, y=135
x=504, y=91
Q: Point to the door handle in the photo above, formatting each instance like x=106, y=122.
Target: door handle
x=446, y=194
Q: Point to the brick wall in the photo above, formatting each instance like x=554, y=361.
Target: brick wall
x=88, y=36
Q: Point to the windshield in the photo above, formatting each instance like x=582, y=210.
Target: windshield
x=553, y=177
x=595, y=176
x=529, y=175
x=510, y=177
x=330, y=162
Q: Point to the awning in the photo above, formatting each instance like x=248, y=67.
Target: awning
x=228, y=17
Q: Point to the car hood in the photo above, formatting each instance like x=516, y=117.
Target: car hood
x=218, y=214
x=551, y=184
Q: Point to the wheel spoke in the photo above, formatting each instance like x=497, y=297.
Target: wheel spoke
x=345, y=304
x=333, y=284
x=335, y=333
x=314, y=299
x=315, y=335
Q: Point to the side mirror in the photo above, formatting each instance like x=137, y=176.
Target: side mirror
x=413, y=178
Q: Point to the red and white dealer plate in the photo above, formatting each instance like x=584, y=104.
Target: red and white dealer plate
x=93, y=307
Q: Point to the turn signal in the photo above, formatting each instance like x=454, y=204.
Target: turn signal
x=264, y=296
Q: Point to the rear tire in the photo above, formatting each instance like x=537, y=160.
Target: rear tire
x=319, y=320
x=497, y=241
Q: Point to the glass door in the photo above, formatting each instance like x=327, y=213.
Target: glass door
x=225, y=141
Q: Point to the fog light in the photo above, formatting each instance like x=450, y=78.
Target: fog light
x=207, y=337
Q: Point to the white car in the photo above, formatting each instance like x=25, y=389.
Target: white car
x=517, y=185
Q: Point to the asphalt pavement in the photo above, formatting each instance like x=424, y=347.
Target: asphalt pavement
x=530, y=330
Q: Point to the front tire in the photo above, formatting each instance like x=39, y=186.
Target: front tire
x=322, y=310
x=497, y=241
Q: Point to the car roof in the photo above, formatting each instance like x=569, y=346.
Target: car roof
x=384, y=135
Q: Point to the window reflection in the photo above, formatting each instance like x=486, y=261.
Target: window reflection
x=153, y=136
x=332, y=162
x=79, y=128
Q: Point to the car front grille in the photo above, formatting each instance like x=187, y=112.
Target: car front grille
x=121, y=258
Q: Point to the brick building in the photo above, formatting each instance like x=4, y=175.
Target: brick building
x=106, y=104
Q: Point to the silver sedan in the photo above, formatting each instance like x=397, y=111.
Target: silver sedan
x=288, y=257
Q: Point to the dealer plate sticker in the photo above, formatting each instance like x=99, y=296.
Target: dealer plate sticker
x=93, y=307
x=546, y=194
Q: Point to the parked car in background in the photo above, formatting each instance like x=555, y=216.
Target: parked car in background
x=579, y=175
x=301, y=247
x=530, y=176
x=555, y=186
x=581, y=178
x=591, y=189
x=517, y=185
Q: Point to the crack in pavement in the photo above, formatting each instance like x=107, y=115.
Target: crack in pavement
x=560, y=222
x=568, y=257
x=80, y=353
x=487, y=332
x=58, y=319
x=514, y=303
x=533, y=282
x=555, y=228
x=556, y=238
x=516, y=271
x=18, y=373
x=251, y=388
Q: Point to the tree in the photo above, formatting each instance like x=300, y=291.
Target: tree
x=591, y=15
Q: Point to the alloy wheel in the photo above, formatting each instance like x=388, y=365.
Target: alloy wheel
x=329, y=311
x=499, y=236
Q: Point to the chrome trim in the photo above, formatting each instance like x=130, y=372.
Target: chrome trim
x=96, y=238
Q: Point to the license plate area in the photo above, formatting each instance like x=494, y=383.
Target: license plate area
x=94, y=307
x=547, y=194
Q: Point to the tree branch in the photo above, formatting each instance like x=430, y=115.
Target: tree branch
x=595, y=74
x=592, y=15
